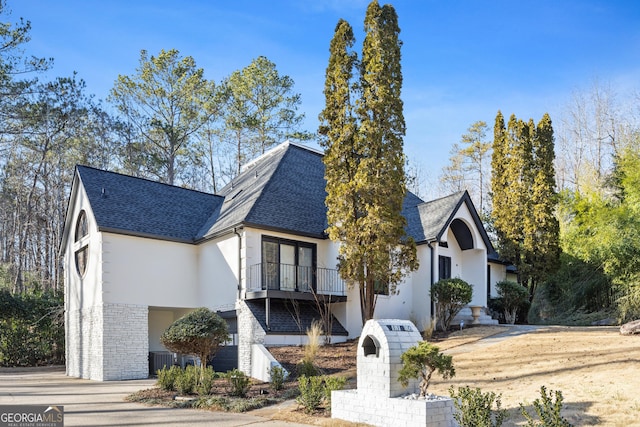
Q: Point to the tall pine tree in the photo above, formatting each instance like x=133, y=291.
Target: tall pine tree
x=364, y=161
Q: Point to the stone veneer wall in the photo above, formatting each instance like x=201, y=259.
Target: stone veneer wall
x=391, y=411
x=249, y=332
x=109, y=342
x=125, y=342
x=84, y=343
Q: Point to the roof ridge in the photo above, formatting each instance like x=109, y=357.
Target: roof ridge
x=270, y=152
x=282, y=146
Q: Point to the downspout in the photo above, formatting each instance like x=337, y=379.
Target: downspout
x=433, y=255
x=235, y=231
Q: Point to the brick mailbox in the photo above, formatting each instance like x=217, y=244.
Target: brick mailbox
x=379, y=350
x=380, y=399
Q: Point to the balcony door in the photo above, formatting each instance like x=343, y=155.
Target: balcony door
x=287, y=265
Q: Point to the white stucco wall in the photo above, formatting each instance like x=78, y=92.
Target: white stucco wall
x=218, y=273
x=149, y=272
x=498, y=274
x=421, y=283
x=159, y=321
x=398, y=305
x=83, y=295
x=471, y=264
x=83, y=291
x=474, y=271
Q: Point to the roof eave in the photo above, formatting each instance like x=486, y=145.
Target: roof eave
x=124, y=232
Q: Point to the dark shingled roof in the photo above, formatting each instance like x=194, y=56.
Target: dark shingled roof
x=129, y=205
x=284, y=320
x=283, y=190
x=435, y=215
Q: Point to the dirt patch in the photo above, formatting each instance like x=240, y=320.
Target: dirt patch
x=341, y=358
x=331, y=359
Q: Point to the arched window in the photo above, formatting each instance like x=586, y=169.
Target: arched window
x=82, y=243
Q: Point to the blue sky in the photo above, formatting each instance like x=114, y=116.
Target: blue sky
x=462, y=60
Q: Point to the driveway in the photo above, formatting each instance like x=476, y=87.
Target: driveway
x=93, y=403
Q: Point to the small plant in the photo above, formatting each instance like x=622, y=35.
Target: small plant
x=421, y=361
x=278, y=377
x=186, y=381
x=312, y=393
x=512, y=296
x=475, y=408
x=307, y=366
x=331, y=384
x=313, y=342
x=306, y=369
x=547, y=410
x=450, y=296
x=167, y=377
x=206, y=382
x=239, y=383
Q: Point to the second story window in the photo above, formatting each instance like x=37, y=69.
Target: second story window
x=288, y=265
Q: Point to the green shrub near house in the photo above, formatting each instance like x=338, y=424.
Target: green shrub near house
x=199, y=333
x=450, y=296
x=512, y=297
x=421, y=361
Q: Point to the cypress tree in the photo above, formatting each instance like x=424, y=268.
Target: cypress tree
x=499, y=179
x=542, y=234
x=364, y=158
x=524, y=197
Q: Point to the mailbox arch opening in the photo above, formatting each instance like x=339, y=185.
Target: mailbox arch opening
x=371, y=346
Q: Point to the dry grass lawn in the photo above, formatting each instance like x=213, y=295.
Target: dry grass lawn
x=597, y=370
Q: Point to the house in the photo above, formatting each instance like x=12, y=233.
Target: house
x=139, y=254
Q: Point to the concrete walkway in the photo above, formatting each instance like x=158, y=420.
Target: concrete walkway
x=94, y=403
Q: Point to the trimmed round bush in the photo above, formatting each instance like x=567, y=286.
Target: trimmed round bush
x=199, y=333
x=450, y=296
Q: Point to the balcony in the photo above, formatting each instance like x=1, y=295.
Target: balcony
x=285, y=281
